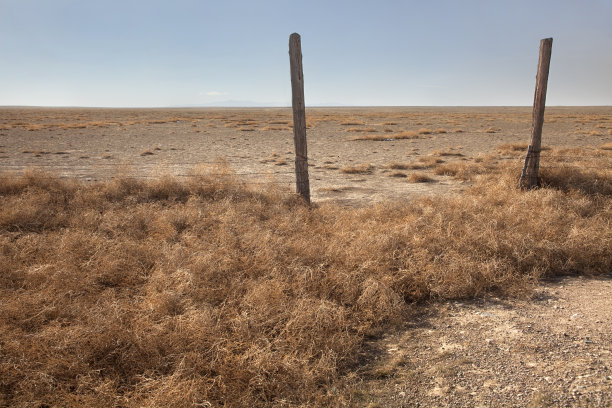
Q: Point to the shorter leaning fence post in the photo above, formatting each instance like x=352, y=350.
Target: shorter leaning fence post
x=299, y=117
x=529, y=176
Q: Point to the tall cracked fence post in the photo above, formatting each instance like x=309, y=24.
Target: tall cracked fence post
x=299, y=117
x=529, y=176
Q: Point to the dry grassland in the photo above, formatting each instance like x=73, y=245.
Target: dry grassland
x=210, y=290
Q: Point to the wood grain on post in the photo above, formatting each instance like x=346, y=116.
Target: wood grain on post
x=529, y=176
x=299, y=117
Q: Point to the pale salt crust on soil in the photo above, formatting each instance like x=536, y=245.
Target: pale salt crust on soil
x=554, y=349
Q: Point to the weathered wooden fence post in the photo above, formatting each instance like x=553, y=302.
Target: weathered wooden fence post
x=299, y=117
x=529, y=176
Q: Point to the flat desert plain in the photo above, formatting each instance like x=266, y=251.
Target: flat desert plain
x=356, y=155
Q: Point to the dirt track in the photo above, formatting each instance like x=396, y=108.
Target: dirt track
x=553, y=350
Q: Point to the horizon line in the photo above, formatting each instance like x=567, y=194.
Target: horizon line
x=263, y=106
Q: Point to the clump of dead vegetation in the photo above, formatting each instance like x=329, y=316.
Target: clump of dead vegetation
x=365, y=168
x=361, y=129
x=208, y=291
x=514, y=149
x=419, y=178
x=390, y=136
x=465, y=170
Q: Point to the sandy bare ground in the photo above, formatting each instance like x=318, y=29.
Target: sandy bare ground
x=552, y=350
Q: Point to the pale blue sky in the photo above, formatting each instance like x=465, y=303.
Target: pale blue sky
x=188, y=52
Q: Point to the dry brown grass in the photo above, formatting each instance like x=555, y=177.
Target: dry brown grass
x=570, y=178
x=98, y=124
x=210, y=292
x=390, y=136
x=407, y=134
x=512, y=148
x=516, y=149
x=606, y=146
x=399, y=166
x=365, y=168
x=274, y=128
x=464, y=170
x=448, y=152
x=376, y=138
x=361, y=129
x=419, y=178
x=429, y=161
x=424, y=162
x=80, y=118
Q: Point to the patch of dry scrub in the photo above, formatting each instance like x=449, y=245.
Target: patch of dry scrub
x=515, y=149
x=391, y=136
x=462, y=170
x=209, y=292
x=365, y=168
x=355, y=129
x=419, y=178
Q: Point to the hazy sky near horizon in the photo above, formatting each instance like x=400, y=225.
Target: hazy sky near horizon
x=145, y=53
